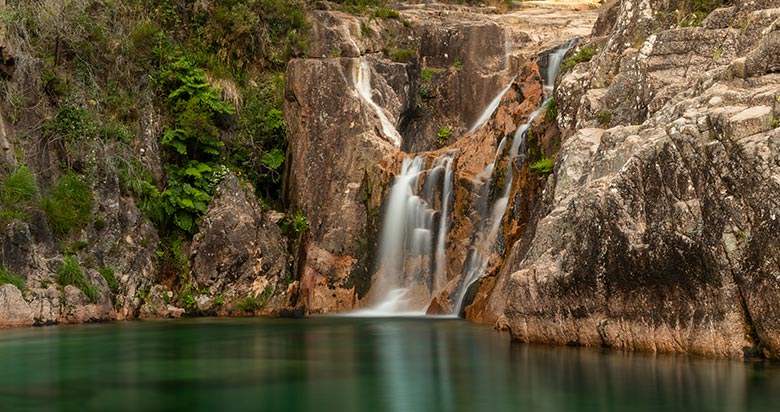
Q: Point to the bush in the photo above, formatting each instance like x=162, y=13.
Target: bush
x=543, y=166
x=71, y=274
x=9, y=278
x=67, y=205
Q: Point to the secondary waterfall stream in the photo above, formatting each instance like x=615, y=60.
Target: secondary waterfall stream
x=412, y=248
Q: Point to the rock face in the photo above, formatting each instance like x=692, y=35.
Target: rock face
x=656, y=233
x=342, y=154
x=239, y=252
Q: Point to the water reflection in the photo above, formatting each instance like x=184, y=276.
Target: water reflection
x=349, y=364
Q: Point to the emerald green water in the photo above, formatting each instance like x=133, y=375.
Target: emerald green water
x=351, y=364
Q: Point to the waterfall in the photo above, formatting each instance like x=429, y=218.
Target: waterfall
x=485, y=116
x=485, y=241
x=554, y=59
x=363, y=86
x=411, y=260
x=411, y=263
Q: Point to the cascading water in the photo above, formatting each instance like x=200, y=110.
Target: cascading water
x=363, y=87
x=484, y=243
x=485, y=116
x=411, y=258
x=412, y=254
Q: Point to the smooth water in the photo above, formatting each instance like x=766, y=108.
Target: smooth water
x=353, y=364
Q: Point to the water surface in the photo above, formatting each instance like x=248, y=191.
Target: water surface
x=353, y=364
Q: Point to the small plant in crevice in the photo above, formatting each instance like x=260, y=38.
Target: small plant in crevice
x=443, y=136
x=584, y=54
x=604, y=117
x=424, y=92
x=7, y=277
x=71, y=273
x=458, y=65
x=551, y=110
x=543, y=166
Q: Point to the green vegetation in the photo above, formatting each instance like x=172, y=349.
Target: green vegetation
x=458, y=63
x=584, y=54
x=67, y=204
x=399, y=55
x=604, y=117
x=443, y=136
x=108, y=275
x=71, y=274
x=7, y=277
x=19, y=190
x=692, y=13
x=188, y=301
x=300, y=224
x=384, y=13
x=249, y=304
x=543, y=166
x=551, y=111
x=424, y=92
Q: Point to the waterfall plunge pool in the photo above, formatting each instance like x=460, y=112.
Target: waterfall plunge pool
x=353, y=364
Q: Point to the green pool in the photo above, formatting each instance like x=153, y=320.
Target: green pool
x=353, y=364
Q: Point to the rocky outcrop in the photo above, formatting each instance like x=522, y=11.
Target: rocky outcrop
x=655, y=232
x=431, y=73
x=239, y=252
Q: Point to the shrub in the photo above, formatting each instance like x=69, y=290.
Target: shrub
x=67, y=205
x=584, y=54
x=9, y=278
x=71, y=274
x=543, y=166
x=18, y=192
x=108, y=275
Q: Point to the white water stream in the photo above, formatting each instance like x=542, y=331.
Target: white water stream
x=412, y=254
x=363, y=87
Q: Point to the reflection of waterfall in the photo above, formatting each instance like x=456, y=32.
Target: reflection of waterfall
x=485, y=241
x=411, y=261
